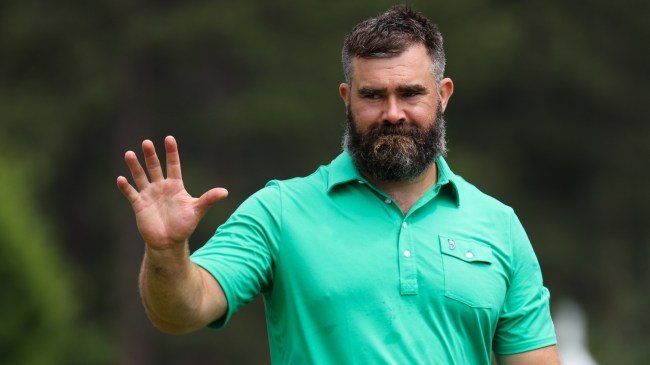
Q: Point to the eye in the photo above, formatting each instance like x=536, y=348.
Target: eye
x=411, y=94
x=412, y=91
x=371, y=95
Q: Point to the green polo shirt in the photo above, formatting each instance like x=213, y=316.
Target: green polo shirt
x=347, y=278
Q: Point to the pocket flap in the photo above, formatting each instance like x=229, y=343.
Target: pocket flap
x=466, y=250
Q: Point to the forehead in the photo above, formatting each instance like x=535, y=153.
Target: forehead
x=414, y=65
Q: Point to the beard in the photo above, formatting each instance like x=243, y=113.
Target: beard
x=395, y=151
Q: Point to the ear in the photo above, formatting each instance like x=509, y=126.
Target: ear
x=445, y=89
x=344, y=91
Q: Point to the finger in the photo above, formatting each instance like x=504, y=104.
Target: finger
x=139, y=176
x=151, y=159
x=173, y=159
x=127, y=190
x=209, y=198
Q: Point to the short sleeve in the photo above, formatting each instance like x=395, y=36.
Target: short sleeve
x=240, y=254
x=525, y=321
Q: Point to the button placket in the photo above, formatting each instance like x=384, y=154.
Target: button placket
x=406, y=260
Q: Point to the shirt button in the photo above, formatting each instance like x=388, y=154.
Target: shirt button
x=469, y=255
x=388, y=201
x=452, y=244
x=407, y=253
x=404, y=225
x=360, y=182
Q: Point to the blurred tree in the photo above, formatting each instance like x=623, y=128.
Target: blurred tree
x=39, y=304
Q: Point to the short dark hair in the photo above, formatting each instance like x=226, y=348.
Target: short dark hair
x=390, y=34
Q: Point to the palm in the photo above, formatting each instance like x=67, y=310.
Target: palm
x=165, y=213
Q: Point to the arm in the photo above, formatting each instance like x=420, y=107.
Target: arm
x=525, y=329
x=178, y=295
x=542, y=356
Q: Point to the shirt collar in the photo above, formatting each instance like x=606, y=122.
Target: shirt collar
x=448, y=180
x=342, y=170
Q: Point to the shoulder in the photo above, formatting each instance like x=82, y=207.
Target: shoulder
x=315, y=183
x=469, y=198
x=281, y=193
x=474, y=198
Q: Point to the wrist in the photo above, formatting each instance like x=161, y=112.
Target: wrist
x=172, y=249
x=169, y=259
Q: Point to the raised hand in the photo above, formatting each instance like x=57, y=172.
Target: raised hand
x=165, y=212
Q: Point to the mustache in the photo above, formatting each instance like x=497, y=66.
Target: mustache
x=399, y=129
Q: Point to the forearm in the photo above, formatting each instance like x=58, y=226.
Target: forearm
x=172, y=290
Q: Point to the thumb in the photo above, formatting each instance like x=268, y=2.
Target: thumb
x=209, y=198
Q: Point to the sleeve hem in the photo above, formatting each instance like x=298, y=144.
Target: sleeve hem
x=525, y=346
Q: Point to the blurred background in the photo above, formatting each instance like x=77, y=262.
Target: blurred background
x=549, y=115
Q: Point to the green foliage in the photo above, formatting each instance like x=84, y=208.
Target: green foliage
x=38, y=307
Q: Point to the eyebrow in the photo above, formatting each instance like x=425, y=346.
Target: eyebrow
x=367, y=90
x=411, y=89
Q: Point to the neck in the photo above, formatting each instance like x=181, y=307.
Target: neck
x=406, y=193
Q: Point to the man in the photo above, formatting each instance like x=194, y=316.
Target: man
x=383, y=256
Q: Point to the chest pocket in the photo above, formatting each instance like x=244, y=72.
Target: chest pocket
x=469, y=275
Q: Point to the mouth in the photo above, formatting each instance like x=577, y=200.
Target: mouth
x=390, y=144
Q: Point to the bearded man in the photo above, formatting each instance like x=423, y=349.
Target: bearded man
x=384, y=256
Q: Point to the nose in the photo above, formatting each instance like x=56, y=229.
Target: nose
x=393, y=111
